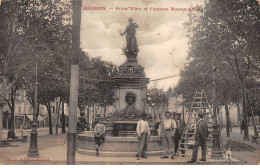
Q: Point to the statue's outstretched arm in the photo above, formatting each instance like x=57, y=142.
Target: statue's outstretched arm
x=126, y=30
x=136, y=25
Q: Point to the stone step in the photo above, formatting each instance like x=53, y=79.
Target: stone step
x=189, y=133
x=209, y=138
x=184, y=155
x=191, y=123
x=199, y=108
x=127, y=133
x=209, y=150
x=189, y=138
x=8, y=144
x=187, y=143
x=193, y=118
x=196, y=102
x=185, y=149
x=117, y=153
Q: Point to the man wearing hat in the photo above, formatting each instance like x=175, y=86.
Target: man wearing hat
x=168, y=131
x=143, y=133
x=201, y=135
x=180, y=128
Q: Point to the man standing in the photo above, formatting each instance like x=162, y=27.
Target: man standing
x=168, y=129
x=201, y=135
x=180, y=128
x=143, y=133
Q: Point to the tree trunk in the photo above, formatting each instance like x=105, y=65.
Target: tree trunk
x=88, y=117
x=227, y=119
x=94, y=113
x=1, y=120
x=230, y=125
x=227, y=113
x=12, y=108
x=56, y=125
x=63, y=131
x=253, y=119
x=58, y=116
x=246, y=135
x=250, y=104
x=12, y=118
x=183, y=113
x=5, y=88
x=105, y=111
x=239, y=117
x=219, y=118
x=49, y=113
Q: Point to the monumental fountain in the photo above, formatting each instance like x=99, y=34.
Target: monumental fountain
x=130, y=87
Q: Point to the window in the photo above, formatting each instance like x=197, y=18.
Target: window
x=41, y=110
x=22, y=97
x=17, y=97
x=53, y=109
x=31, y=110
x=19, y=109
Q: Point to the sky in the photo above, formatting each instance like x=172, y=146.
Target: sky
x=161, y=35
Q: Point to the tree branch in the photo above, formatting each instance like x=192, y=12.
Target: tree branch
x=8, y=103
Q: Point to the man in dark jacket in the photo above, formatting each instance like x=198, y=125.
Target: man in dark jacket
x=201, y=135
x=178, y=134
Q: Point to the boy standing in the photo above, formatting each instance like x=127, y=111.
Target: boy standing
x=99, y=132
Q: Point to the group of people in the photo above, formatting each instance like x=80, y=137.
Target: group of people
x=170, y=130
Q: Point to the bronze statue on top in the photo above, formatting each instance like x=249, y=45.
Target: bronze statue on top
x=131, y=46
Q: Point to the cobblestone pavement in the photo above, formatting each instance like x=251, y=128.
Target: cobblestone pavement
x=52, y=151
x=44, y=141
x=26, y=132
x=246, y=157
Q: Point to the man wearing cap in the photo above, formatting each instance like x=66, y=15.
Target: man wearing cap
x=99, y=132
x=168, y=130
x=180, y=128
x=201, y=135
x=143, y=133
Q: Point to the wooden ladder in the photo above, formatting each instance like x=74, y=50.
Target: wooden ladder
x=199, y=104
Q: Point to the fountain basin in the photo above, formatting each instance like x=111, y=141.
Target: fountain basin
x=120, y=146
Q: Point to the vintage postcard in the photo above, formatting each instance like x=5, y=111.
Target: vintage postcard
x=129, y=82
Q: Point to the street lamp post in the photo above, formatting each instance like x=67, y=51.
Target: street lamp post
x=216, y=150
x=33, y=150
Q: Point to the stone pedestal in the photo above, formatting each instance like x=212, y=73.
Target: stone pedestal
x=130, y=87
x=130, y=91
x=216, y=153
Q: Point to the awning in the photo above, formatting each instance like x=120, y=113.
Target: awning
x=30, y=117
x=40, y=118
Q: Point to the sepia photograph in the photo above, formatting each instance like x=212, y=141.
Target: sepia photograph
x=130, y=82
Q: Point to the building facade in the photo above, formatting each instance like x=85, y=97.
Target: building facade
x=24, y=113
